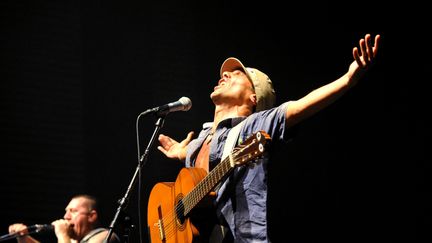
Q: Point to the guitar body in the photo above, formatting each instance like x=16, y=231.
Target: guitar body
x=165, y=224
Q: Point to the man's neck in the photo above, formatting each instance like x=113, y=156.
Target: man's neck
x=223, y=112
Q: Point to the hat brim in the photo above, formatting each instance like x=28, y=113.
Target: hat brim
x=231, y=64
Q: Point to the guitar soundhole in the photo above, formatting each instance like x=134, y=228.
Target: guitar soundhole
x=180, y=212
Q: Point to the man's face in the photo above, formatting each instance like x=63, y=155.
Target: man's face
x=80, y=215
x=234, y=88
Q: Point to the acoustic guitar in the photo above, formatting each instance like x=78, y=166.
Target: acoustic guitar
x=170, y=203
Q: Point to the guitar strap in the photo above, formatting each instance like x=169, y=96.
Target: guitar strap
x=221, y=231
x=231, y=140
x=229, y=145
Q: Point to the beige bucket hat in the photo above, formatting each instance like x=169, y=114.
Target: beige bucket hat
x=265, y=93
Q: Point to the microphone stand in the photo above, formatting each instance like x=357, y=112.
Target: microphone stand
x=142, y=160
x=30, y=230
x=10, y=236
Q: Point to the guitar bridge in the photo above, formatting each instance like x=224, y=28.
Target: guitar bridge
x=160, y=225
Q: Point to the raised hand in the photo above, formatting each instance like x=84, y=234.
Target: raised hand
x=364, y=56
x=173, y=149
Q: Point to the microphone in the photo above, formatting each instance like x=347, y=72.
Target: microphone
x=40, y=228
x=183, y=104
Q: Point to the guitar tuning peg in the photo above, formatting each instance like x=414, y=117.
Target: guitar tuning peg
x=258, y=136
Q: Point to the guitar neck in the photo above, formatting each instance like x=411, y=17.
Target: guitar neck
x=207, y=184
x=250, y=149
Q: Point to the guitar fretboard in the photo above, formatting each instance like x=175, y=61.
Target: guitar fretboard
x=206, y=185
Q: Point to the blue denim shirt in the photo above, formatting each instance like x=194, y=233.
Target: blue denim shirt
x=242, y=199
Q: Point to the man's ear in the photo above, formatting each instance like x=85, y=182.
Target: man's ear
x=93, y=216
x=253, y=99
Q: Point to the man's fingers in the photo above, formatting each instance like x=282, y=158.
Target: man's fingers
x=369, y=47
x=357, y=57
x=162, y=149
x=376, y=44
x=364, y=52
x=166, y=141
x=189, y=136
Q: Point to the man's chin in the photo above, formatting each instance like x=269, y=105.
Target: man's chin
x=216, y=97
x=213, y=95
x=73, y=234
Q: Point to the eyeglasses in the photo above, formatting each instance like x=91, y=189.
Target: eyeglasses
x=75, y=212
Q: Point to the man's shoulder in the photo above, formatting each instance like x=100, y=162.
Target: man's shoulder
x=99, y=235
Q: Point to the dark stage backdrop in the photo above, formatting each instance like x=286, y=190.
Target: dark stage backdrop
x=74, y=76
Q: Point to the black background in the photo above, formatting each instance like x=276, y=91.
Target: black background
x=74, y=76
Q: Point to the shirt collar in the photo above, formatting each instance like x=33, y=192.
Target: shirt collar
x=229, y=122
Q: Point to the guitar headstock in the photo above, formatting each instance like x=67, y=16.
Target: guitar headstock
x=252, y=148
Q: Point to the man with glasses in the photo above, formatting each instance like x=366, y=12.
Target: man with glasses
x=80, y=223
